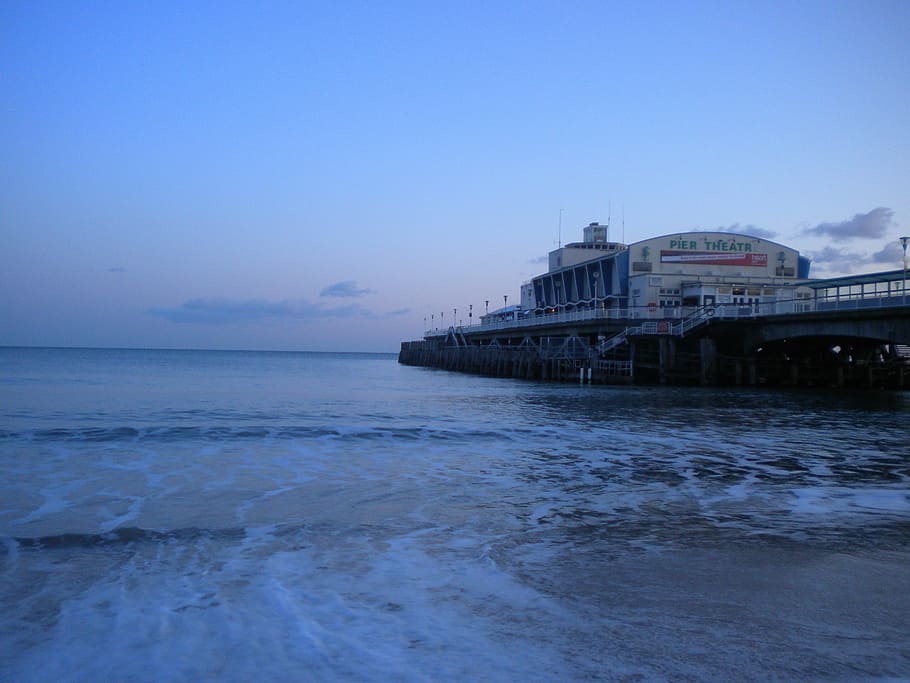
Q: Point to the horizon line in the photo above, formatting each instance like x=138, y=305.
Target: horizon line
x=167, y=348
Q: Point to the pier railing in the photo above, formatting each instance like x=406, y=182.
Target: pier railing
x=688, y=316
x=667, y=327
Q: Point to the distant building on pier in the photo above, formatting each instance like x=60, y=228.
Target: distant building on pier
x=680, y=269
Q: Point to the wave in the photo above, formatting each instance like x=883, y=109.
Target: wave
x=252, y=432
x=126, y=536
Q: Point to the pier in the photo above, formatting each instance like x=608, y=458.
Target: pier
x=868, y=348
x=701, y=325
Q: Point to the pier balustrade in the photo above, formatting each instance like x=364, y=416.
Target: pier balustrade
x=832, y=299
x=848, y=342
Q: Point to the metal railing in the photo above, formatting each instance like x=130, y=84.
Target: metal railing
x=698, y=317
x=622, y=368
x=684, y=314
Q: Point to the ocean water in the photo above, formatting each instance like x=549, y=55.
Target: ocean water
x=190, y=515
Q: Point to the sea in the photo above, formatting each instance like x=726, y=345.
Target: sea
x=240, y=516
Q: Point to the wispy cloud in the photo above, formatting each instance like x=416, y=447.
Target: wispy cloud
x=346, y=289
x=218, y=311
x=836, y=260
x=892, y=254
x=540, y=259
x=116, y=269
x=839, y=261
x=751, y=230
x=872, y=225
x=396, y=313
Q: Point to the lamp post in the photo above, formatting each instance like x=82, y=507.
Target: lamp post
x=904, y=241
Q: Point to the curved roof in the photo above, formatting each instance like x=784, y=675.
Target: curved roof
x=718, y=234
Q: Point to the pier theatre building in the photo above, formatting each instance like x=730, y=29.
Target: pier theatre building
x=666, y=275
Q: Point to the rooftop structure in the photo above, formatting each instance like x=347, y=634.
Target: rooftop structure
x=679, y=269
x=594, y=245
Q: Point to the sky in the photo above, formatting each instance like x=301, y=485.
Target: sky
x=327, y=176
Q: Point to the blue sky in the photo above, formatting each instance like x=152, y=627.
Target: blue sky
x=323, y=176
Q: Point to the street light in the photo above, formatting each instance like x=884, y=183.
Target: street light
x=904, y=241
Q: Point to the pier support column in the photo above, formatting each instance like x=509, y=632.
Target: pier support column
x=708, y=355
x=667, y=352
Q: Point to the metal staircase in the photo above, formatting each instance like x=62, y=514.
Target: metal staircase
x=658, y=327
x=455, y=337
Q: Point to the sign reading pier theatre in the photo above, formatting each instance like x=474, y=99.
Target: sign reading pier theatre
x=676, y=270
x=711, y=251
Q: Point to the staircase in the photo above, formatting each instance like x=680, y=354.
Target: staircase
x=660, y=327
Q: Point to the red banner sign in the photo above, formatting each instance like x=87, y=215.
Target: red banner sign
x=712, y=258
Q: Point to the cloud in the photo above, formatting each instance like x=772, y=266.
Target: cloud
x=345, y=289
x=116, y=269
x=872, y=225
x=838, y=261
x=219, y=311
x=538, y=260
x=835, y=261
x=892, y=253
x=396, y=313
x=750, y=230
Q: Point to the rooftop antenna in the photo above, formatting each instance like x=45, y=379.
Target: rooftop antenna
x=623, y=222
x=607, y=235
x=560, y=229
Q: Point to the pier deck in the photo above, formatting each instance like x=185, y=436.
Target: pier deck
x=861, y=343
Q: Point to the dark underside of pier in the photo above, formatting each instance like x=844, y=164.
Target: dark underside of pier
x=862, y=353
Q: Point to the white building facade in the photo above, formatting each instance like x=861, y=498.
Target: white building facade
x=664, y=275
